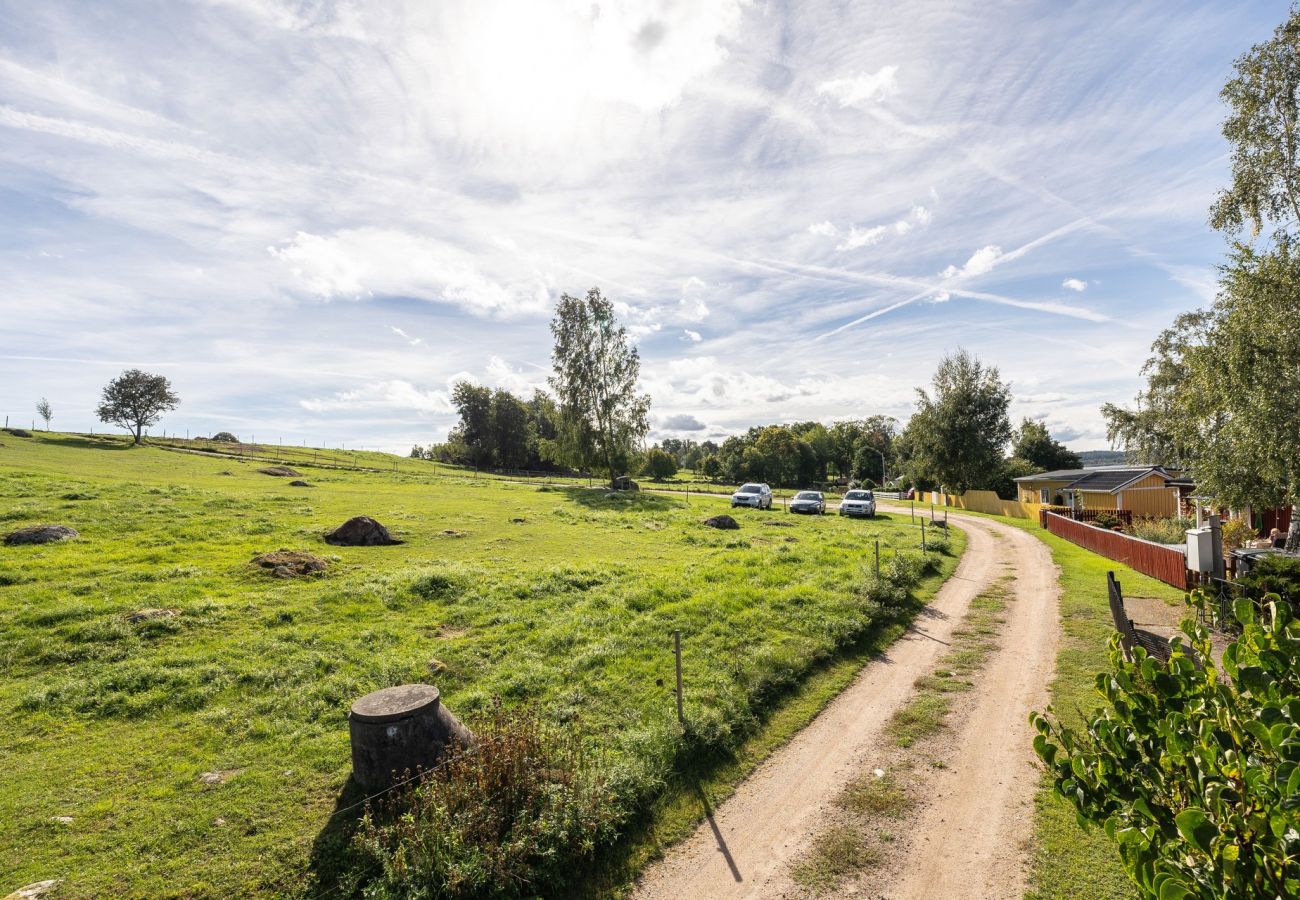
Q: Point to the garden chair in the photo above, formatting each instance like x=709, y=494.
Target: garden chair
x=1129, y=635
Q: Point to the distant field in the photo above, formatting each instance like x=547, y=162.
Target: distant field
x=562, y=597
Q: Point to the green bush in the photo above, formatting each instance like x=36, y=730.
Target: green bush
x=1106, y=520
x=1196, y=779
x=514, y=817
x=1274, y=575
x=1162, y=531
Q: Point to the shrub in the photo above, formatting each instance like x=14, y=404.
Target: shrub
x=1274, y=575
x=1194, y=778
x=1106, y=520
x=1162, y=531
x=1236, y=532
x=225, y=437
x=514, y=817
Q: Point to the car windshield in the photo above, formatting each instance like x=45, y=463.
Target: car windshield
x=858, y=495
x=750, y=489
x=807, y=495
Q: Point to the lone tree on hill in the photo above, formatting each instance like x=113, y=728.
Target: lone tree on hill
x=602, y=416
x=44, y=411
x=135, y=400
x=1223, y=383
x=958, y=434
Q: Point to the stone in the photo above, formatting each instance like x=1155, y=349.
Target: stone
x=62, y=820
x=401, y=730
x=360, y=531
x=724, y=522
x=291, y=563
x=299, y=483
x=41, y=534
x=280, y=472
x=35, y=890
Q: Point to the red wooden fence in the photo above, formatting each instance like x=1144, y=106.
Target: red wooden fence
x=1169, y=564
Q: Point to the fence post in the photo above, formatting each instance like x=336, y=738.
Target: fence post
x=923, y=535
x=877, y=559
x=913, y=512
x=677, y=653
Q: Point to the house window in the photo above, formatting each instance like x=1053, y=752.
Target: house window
x=1042, y=495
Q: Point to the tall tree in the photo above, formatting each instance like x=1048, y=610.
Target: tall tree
x=45, y=411
x=596, y=369
x=1223, y=384
x=1035, y=445
x=135, y=400
x=958, y=433
x=474, y=404
x=512, y=430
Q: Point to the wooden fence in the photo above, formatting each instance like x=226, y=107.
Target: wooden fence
x=985, y=502
x=1168, y=564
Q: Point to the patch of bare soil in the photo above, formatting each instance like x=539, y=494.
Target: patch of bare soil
x=291, y=563
x=968, y=836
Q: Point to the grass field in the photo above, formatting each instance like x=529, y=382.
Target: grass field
x=561, y=597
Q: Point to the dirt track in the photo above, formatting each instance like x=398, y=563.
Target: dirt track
x=971, y=837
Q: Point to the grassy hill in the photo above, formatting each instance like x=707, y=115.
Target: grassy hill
x=200, y=752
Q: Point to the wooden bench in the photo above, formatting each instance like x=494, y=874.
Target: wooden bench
x=1130, y=636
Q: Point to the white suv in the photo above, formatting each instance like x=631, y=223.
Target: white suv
x=758, y=496
x=858, y=503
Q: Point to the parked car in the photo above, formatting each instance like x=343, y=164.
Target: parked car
x=811, y=502
x=858, y=503
x=756, y=495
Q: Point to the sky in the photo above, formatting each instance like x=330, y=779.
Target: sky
x=314, y=216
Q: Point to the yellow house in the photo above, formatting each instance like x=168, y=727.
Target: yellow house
x=1144, y=490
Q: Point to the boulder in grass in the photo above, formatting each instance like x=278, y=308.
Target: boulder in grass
x=360, y=531
x=41, y=534
x=291, y=563
x=280, y=472
x=299, y=483
x=724, y=522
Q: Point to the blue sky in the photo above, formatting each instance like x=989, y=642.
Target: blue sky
x=314, y=216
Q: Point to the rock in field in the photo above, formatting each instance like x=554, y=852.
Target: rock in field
x=35, y=890
x=41, y=534
x=724, y=522
x=280, y=472
x=299, y=483
x=360, y=531
x=291, y=563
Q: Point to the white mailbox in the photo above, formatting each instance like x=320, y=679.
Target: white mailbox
x=1200, y=549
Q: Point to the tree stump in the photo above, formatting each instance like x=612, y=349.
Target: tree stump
x=401, y=730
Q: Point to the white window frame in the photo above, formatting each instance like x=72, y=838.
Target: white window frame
x=1044, y=495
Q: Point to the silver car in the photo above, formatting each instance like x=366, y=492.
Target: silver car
x=858, y=503
x=811, y=502
x=756, y=495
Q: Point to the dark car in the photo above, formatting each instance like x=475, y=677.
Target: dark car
x=811, y=502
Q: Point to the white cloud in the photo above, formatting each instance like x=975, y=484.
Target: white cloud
x=940, y=297
x=825, y=229
x=517, y=381
x=981, y=262
x=414, y=342
x=862, y=87
x=862, y=237
x=693, y=336
x=394, y=395
x=363, y=262
x=1075, y=284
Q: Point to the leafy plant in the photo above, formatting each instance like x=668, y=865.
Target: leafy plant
x=509, y=818
x=1195, y=777
x=1274, y=575
x=1106, y=520
x=1161, y=531
x=1236, y=532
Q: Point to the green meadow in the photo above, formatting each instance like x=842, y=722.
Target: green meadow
x=201, y=752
